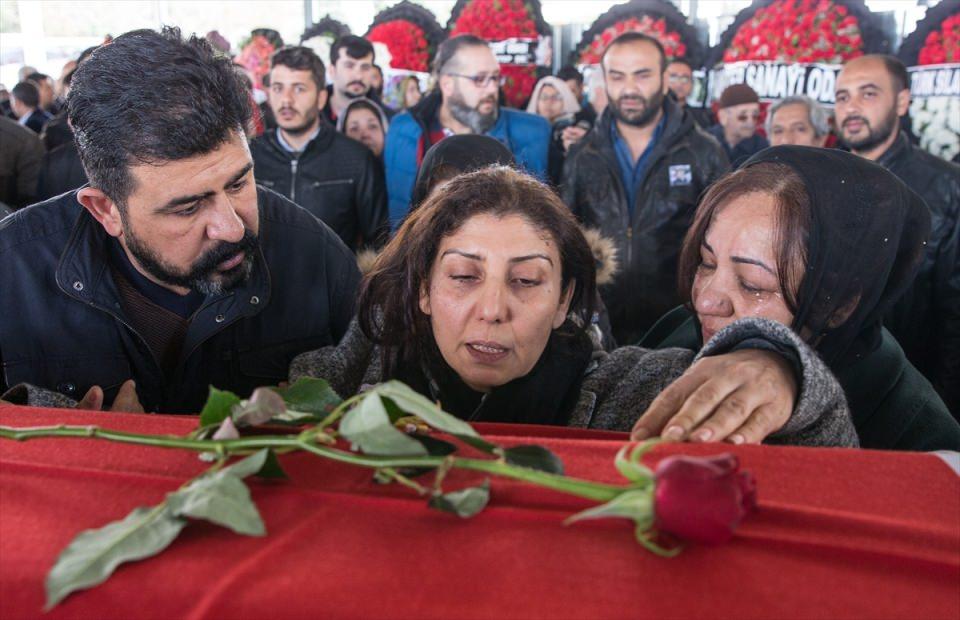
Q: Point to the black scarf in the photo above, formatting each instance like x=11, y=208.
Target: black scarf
x=866, y=243
x=545, y=395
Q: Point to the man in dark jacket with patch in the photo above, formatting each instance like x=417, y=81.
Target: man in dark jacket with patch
x=171, y=271
x=637, y=177
x=333, y=177
x=872, y=94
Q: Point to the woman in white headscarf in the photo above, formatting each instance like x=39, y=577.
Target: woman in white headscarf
x=553, y=100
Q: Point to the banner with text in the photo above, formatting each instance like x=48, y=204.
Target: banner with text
x=935, y=108
x=776, y=80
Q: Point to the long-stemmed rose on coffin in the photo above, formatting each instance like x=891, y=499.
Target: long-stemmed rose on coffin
x=394, y=431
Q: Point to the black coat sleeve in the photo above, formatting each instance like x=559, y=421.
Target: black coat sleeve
x=947, y=312
x=371, y=204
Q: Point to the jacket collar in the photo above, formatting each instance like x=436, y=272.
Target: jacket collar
x=320, y=142
x=897, y=151
x=83, y=273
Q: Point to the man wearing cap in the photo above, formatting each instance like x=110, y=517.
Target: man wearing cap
x=737, y=130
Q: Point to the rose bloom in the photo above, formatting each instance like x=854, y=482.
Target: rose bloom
x=702, y=499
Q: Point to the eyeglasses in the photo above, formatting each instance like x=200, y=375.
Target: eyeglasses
x=679, y=79
x=743, y=117
x=481, y=80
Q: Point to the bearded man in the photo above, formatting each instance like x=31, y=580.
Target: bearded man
x=872, y=94
x=171, y=271
x=636, y=177
x=465, y=101
x=333, y=177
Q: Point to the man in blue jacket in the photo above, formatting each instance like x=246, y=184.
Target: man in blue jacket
x=464, y=101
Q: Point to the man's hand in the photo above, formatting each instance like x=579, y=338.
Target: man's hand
x=741, y=397
x=571, y=135
x=126, y=400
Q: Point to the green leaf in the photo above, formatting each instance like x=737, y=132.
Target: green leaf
x=635, y=504
x=250, y=465
x=434, y=447
x=221, y=498
x=534, y=457
x=260, y=408
x=368, y=427
x=218, y=406
x=628, y=462
x=94, y=554
x=271, y=468
x=420, y=406
x=310, y=395
x=465, y=502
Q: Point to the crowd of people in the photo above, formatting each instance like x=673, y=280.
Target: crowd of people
x=611, y=257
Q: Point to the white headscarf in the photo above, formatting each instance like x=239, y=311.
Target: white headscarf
x=570, y=104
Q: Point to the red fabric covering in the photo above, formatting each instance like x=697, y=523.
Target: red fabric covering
x=839, y=534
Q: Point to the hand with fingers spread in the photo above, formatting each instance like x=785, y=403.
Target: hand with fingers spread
x=126, y=400
x=740, y=397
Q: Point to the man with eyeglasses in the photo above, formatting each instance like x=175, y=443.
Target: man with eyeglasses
x=636, y=178
x=680, y=83
x=464, y=101
x=739, y=115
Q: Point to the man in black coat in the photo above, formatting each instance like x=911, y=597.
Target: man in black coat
x=636, y=177
x=171, y=271
x=872, y=94
x=333, y=177
x=25, y=102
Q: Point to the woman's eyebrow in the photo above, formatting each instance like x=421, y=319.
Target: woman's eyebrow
x=520, y=259
x=462, y=253
x=752, y=261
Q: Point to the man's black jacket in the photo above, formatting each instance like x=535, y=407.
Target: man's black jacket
x=926, y=320
x=684, y=162
x=63, y=328
x=335, y=178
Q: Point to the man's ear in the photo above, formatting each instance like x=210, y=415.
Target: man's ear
x=564, y=308
x=903, y=102
x=103, y=209
x=445, y=83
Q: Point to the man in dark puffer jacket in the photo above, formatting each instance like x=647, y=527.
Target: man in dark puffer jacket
x=636, y=177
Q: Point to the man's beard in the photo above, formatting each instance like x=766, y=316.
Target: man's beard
x=309, y=119
x=351, y=95
x=637, y=118
x=472, y=117
x=203, y=276
x=873, y=138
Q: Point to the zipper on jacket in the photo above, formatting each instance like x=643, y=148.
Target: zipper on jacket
x=630, y=244
x=293, y=179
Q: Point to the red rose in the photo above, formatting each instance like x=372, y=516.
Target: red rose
x=702, y=499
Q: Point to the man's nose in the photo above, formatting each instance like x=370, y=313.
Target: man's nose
x=225, y=223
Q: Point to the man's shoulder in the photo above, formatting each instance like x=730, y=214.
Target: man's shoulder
x=524, y=121
x=15, y=135
x=404, y=124
x=47, y=220
x=297, y=226
x=343, y=146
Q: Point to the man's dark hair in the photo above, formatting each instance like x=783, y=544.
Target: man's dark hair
x=683, y=61
x=36, y=76
x=355, y=47
x=377, y=68
x=569, y=72
x=637, y=37
x=27, y=94
x=152, y=97
x=301, y=58
x=897, y=71
x=86, y=54
x=449, y=48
